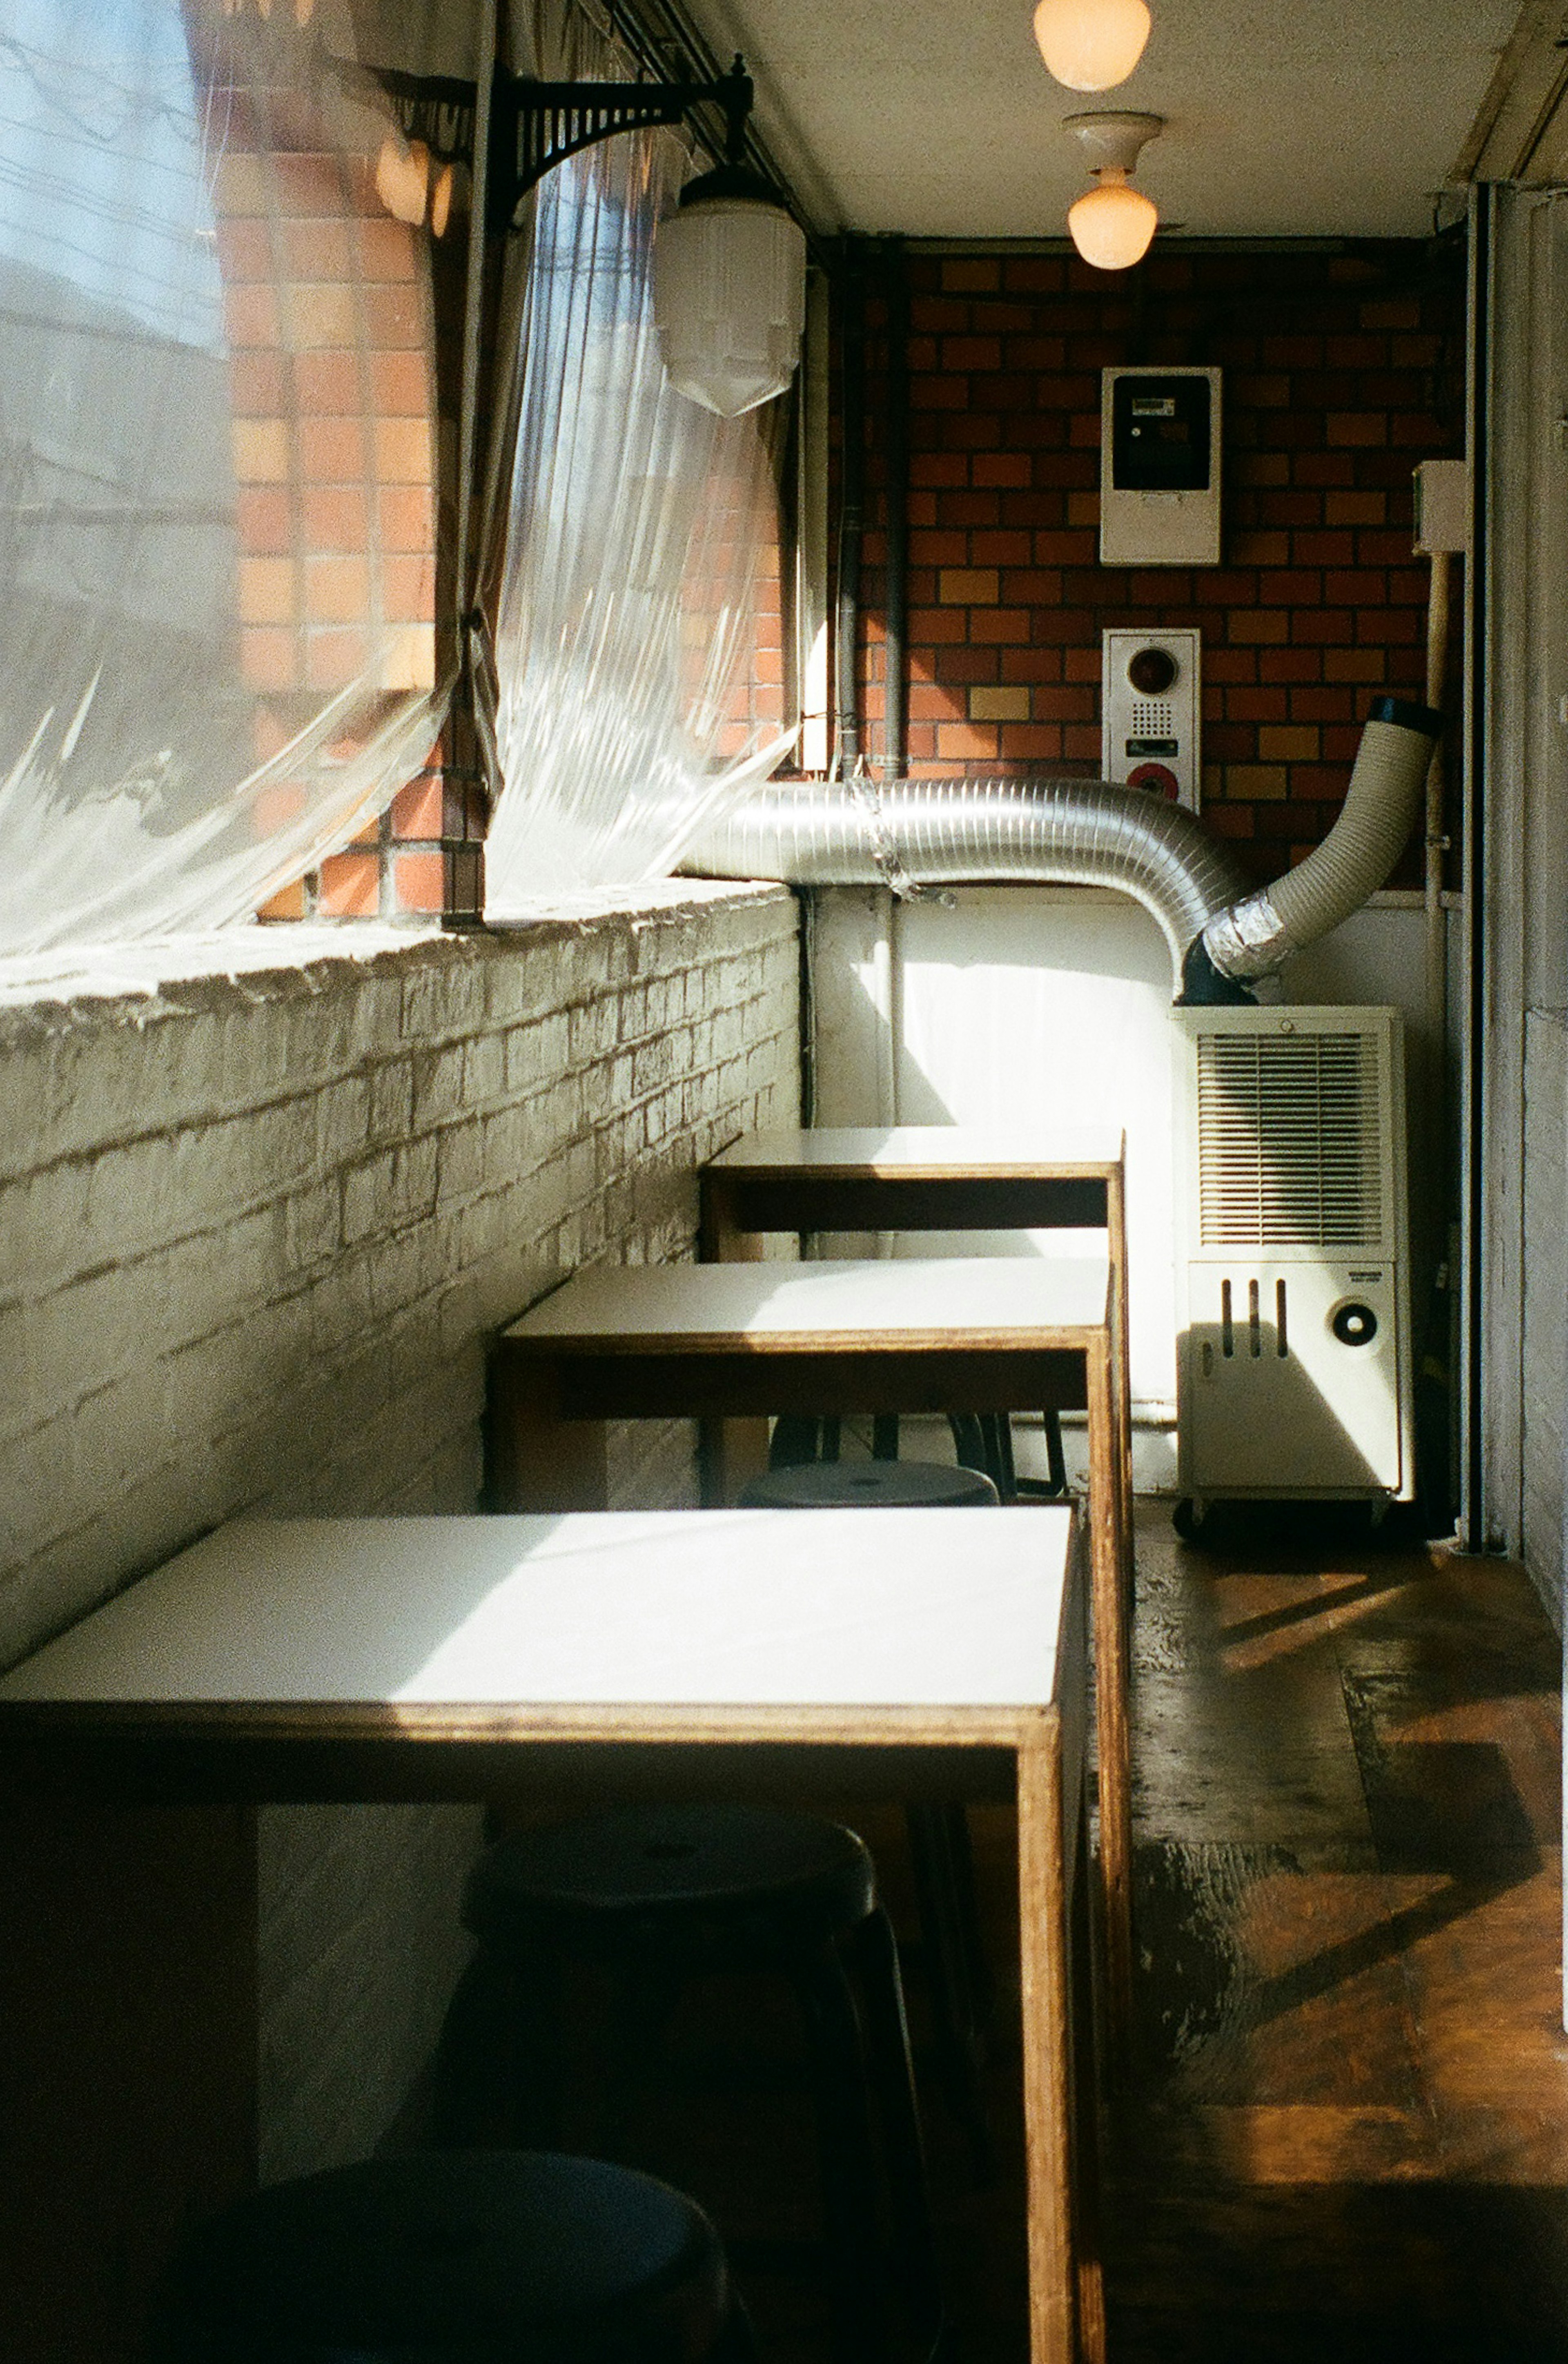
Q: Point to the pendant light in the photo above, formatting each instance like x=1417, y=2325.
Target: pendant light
x=1091, y=44
x=729, y=292
x=1112, y=225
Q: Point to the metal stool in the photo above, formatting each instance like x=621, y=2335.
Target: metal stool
x=455, y=2257
x=983, y=1442
x=659, y=1895
x=940, y=1855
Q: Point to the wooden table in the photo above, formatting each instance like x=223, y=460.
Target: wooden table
x=424, y=1657
x=728, y=1342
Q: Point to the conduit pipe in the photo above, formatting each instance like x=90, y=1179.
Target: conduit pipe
x=911, y=835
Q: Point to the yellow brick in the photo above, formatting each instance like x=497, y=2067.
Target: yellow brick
x=999, y=704
x=1252, y=782
x=261, y=451
x=1288, y=742
x=969, y=587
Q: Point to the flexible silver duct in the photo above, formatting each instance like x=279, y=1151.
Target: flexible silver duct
x=915, y=833
x=909, y=834
x=1353, y=860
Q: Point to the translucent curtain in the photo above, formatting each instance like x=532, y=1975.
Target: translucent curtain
x=638, y=531
x=216, y=480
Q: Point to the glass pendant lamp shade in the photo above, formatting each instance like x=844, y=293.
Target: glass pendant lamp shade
x=729, y=294
x=1091, y=44
x=1112, y=225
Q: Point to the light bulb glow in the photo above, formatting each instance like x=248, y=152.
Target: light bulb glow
x=1112, y=225
x=1091, y=44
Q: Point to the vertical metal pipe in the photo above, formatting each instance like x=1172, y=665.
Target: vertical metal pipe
x=852, y=499
x=895, y=448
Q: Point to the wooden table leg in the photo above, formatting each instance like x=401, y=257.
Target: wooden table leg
x=1108, y=1559
x=536, y=1460
x=729, y=1452
x=1047, y=2040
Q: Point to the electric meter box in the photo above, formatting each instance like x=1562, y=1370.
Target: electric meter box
x=1160, y=467
x=1150, y=703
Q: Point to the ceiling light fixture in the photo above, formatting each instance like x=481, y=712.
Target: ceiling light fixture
x=1112, y=225
x=1091, y=44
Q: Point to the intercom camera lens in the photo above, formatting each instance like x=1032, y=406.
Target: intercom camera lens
x=1354, y=1325
x=1152, y=671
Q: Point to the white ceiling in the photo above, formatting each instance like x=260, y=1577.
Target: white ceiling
x=1297, y=117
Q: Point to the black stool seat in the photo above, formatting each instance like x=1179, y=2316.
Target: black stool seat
x=455, y=2257
x=870, y=1485
x=733, y=1882
x=659, y=1896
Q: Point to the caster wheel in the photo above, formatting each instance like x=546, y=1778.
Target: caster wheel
x=1189, y=1519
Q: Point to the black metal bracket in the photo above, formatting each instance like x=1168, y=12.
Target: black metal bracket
x=534, y=126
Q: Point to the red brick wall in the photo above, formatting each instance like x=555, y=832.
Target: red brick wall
x=1341, y=370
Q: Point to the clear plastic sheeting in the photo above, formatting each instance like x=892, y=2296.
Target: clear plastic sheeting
x=217, y=572
x=638, y=525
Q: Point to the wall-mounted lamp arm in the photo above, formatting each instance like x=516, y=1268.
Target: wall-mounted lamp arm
x=536, y=125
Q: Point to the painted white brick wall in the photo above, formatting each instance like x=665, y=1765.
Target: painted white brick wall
x=256, y=1230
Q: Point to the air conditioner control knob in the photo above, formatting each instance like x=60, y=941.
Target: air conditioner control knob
x=1354, y=1325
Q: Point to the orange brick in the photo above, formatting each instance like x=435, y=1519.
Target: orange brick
x=408, y=597
x=244, y=252
x=288, y=903
x=1036, y=742
x=257, y=384
x=997, y=625
x=420, y=881
x=332, y=451
x=350, y=887
x=316, y=249
x=395, y=317
x=251, y=316
x=269, y=658
x=327, y=384
x=959, y=738
x=1008, y=468
x=402, y=451
x=406, y=658
x=1355, y=508
x=336, y=590
x=969, y=587
x=334, y=518
x=970, y=278
x=267, y=591
x=264, y=522
x=386, y=250
x=304, y=183
x=1358, y=429
x=334, y=657
x=400, y=384
x=999, y=704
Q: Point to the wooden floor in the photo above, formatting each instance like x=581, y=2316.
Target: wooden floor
x=1346, y=2132
x=1350, y=2133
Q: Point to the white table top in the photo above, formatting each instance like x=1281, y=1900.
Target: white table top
x=948, y=1152
x=957, y=1301
x=781, y=1609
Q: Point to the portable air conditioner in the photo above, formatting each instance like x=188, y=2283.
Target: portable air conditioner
x=1293, y=1358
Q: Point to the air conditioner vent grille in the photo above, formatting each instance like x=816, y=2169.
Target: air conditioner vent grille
x=1288, y=1141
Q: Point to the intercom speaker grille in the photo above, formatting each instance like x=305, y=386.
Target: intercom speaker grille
x=1288, y=1133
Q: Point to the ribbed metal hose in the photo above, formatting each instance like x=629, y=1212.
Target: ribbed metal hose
x=909, y=833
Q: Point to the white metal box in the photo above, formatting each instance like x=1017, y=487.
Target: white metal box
x=1150, y=703
x=1294, y=1372
x=1160, y=449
